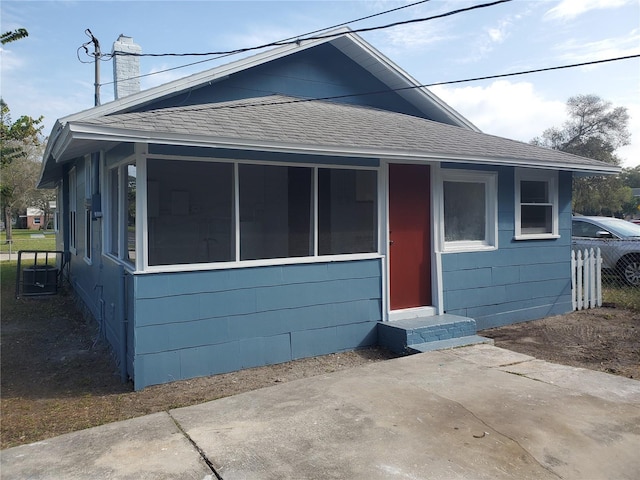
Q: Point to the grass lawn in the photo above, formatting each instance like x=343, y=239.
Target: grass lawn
x=28, y=240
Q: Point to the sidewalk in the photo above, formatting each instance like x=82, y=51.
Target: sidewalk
x=477, y=412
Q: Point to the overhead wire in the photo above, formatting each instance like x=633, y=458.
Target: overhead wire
x=301, y=38
x=411, y=87
x=342, y=24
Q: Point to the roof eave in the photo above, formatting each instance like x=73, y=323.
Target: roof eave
x=92, y=133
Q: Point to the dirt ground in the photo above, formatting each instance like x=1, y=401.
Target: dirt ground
x=604, y=339
x=55, y=378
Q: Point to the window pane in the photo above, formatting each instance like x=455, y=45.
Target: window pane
x=347, y=211
x=131, y=213
x=113, y=211
x=275, y=212
x=536, y=219
x=190, y=212
x=464, y=211
x=534, y=192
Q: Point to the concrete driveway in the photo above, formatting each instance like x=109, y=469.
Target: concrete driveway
x=477, y=412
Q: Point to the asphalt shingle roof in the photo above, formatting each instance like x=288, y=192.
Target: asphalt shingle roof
x=278, y=119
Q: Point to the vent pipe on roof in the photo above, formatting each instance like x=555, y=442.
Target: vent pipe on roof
x=126, y=68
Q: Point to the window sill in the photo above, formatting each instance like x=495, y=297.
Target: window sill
x=468, y=248
x=546, y=236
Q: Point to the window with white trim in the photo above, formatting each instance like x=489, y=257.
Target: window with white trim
x=216, y=211
x=121, y=236
x=73, y=201
x=87, y=208
x=114, y=211
x=536, y=204
x=469, y=210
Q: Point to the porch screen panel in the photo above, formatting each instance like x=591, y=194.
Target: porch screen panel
x=276, y=216
x=347, y=211
x=131, y=212
x=190, y=212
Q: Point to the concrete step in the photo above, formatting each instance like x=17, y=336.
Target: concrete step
x=400, y=335
x=449, y=343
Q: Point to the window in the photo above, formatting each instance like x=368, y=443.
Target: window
x=87, y=208
x=209, y=212
x=469, y=210
x=536, y=209
x=130, y=212
x=114, y=224
x=347, y=211
x=73, y=198
x=190, y=212
x=275, y=212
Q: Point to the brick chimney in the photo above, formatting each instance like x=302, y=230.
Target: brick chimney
x=126, y=68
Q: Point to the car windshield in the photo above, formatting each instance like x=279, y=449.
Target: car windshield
x=622, y=228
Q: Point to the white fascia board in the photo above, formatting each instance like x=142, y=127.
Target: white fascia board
x=100, y=133
x=196, y=80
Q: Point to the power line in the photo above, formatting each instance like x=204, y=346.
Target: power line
x=283, y=40
x=379, y=92
x=317, y=37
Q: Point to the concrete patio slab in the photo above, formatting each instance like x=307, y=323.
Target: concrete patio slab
x=476, y=412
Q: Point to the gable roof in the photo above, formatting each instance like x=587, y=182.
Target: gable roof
x=321, y=127
x=293, y=125
x=349, y=43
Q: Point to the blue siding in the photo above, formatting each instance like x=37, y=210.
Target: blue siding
x=521, y=280
x=100, y=284
x=322, y=71
x=199, y=323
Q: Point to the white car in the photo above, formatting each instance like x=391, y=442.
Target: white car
x=619, y=243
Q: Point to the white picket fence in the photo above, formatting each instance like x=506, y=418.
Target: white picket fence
x=586, y=278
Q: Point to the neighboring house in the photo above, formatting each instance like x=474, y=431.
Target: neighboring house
x=35, y=219
x=233, y=218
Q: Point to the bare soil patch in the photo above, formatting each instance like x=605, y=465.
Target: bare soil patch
x=56, y=378
x=605, y=339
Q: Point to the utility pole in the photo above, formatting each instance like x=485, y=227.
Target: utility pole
x=96, y=55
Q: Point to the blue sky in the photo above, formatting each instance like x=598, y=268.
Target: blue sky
x=41, y=75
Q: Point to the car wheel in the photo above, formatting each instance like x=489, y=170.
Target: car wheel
x=631, y=270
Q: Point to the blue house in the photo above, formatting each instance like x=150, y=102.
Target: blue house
x=295, y=203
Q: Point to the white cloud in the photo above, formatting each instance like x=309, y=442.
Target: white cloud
x=576, y=51
x=417, y=35
x=9, y=61
x=511, y=110
x=517, y=111
x=568, y=9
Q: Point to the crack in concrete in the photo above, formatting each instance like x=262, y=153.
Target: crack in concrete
x=529, y=454
x=204, y=457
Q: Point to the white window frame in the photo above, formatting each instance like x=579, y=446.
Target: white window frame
x=87, y=210
x=490, y=181
x=143, y=265
x=73, y=218
x=551, y=178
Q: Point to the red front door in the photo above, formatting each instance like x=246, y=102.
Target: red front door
x=409, y=236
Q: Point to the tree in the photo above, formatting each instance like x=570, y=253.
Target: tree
x=17, y=34
x=594, y=130
x=21, y=148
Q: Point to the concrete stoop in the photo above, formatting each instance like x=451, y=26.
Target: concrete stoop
x=424, y=334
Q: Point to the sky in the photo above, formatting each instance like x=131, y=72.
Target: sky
x=48, y=73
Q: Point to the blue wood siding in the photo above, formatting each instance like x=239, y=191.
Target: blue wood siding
x=100, y=284
x=521, y=280
x=191, y=324
x=319, y=72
